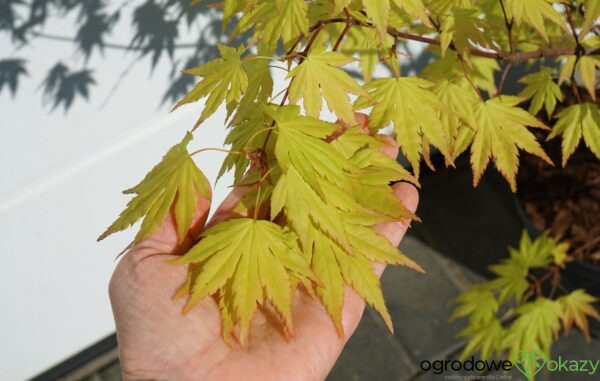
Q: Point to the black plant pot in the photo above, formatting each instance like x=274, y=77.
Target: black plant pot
x=474, y=226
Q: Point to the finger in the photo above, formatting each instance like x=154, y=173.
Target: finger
x=394, y=232
x=225, y=210
x=391, y=146
x=362, y=120
x=165, y=241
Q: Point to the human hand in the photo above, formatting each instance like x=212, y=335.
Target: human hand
x=157, y=342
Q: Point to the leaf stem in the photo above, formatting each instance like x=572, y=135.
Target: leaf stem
x=255, y=135
x=462, y=62
x=349, y=23
x=578, y=53
x=218, y=149
x=503, y=78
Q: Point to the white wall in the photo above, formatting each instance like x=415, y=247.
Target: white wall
x=62, y=174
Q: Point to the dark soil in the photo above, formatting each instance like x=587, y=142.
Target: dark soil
x=565, y=201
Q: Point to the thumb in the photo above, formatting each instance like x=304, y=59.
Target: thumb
x=165, y=240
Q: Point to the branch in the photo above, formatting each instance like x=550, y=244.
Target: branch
x=506, y=56
x=503, y=78
x=514, y=57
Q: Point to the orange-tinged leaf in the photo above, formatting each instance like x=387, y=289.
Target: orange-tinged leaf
x=576, y=308
x=241, y=261
x=574, y=122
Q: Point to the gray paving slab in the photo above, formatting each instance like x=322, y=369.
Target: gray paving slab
x=373, y=353
x=421, y=304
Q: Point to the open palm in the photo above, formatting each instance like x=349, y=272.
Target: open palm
x=158, y=342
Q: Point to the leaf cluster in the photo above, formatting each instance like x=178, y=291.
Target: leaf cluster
x=315, y=190
x=519, y=309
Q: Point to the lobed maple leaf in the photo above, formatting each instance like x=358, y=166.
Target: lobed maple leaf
x=487, y=339
x=174, y=182
x=415, y=9
x=479, y=303
x=459, y=124
x=510, y=279
x=224, y=80
x=275, y=20
x=592, y=12
x=444, y=7
x=318, y=74
x=574, y=122
x=461, y=27
x=535, y=327
x=379, y=13
x=450, y=67
x=501, y=131
x=542, y=90
x=413, y=109
x=587, y=67
x=533, y=12
x=576, y=307
x=247, y=263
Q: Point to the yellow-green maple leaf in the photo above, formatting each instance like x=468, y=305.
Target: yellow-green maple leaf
x=249, y=263
x=274, y=20
x=260, y=82
x=501, y=131
x=450, y=67
x=458, y=124
x=462, y=26
x=574, y=122
x=224, y=80
x=479, y=303
x=443, y=7
x=587, y=68
x=415, y=9
x=249, y=124
x=592, y=12
x=535, y=327
x=175, y=181
x=576, y=307
x=339, y=5
x=487, y=339
x=542, y=90
x=413, y=109
x=379, y=13
x=533, y=12
x=318, y=74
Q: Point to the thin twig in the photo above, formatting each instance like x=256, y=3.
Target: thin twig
x=578, y=52
x=503, y=77
x=345, y=31
x=509, y=25
x=462, y=62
